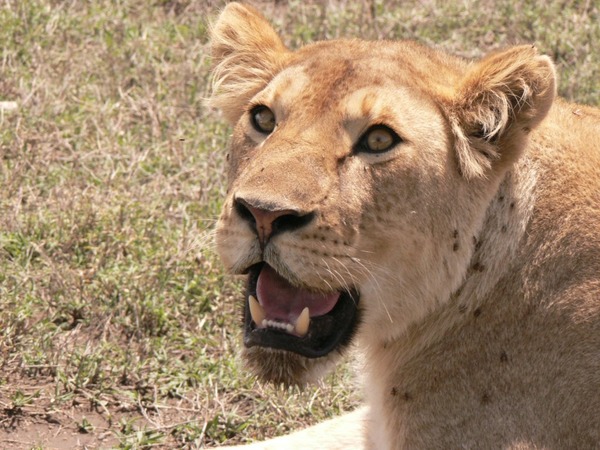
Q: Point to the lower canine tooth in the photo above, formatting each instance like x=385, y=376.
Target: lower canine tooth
x=256, y=311
x=303, y=322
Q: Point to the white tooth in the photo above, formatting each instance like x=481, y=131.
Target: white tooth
x=256, y=311
x=303, y=322
x=289, y=328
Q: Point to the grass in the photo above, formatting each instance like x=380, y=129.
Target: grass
x=118, y=328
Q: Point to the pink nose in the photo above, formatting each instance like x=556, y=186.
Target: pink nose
x=269, y=221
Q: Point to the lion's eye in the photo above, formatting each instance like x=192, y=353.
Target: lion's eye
x=263, y=119
x=377, y=139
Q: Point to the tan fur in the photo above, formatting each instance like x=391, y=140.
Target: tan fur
x=474, y=243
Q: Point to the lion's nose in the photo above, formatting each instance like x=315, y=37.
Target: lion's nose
x=269, y=219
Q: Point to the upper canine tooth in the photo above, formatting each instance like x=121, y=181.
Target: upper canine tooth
x=303, y=322
x=256, y=311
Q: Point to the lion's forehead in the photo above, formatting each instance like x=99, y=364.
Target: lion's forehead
x=349, y=100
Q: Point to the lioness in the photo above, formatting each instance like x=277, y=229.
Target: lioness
x=441, y=214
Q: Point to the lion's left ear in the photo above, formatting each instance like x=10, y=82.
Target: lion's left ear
x=246, y=54
x=499, y=101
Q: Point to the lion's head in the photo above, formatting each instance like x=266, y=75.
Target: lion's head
x=359, y=174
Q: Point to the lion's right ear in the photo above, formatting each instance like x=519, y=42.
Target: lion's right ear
x=499, y=101
x=246, y=54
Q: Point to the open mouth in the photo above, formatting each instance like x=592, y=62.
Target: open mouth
x=281, y=316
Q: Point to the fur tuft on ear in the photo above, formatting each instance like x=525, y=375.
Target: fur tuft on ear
x=500, y=100
x=246, y=53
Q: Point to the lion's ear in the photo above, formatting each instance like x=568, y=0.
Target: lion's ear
x=246, y=53
x=499, y=101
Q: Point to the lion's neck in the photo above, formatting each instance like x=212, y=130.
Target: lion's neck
x=497, y=243
x=503, y=228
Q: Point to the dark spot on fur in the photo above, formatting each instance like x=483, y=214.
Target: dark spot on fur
x=504, y=228
x=503, y=357
x=455, y=235
x=485, y=398
x=526, y=130
x=456, y=246
x=501, y=198
x=512, y=205
x=456, y=293
x=406, y=396
x=477, y=312
x=335, y=242
x=478, y=267
x=462, y=309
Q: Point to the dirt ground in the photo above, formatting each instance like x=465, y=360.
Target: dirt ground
x=86, y=423
x=55, y=431
x=38, y=424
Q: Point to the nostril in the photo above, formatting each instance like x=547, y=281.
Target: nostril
x=291, y=221
x=267, y=220
x=244, y=212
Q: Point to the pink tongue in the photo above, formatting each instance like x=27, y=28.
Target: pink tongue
x=282, y=301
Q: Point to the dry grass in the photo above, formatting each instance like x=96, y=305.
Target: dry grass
x=117, y=326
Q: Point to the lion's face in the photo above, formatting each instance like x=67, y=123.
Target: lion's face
x=332, y=209
x=348, y=206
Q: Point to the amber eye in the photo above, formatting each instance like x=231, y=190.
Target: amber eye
x=263, y=119
x=377, y=139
